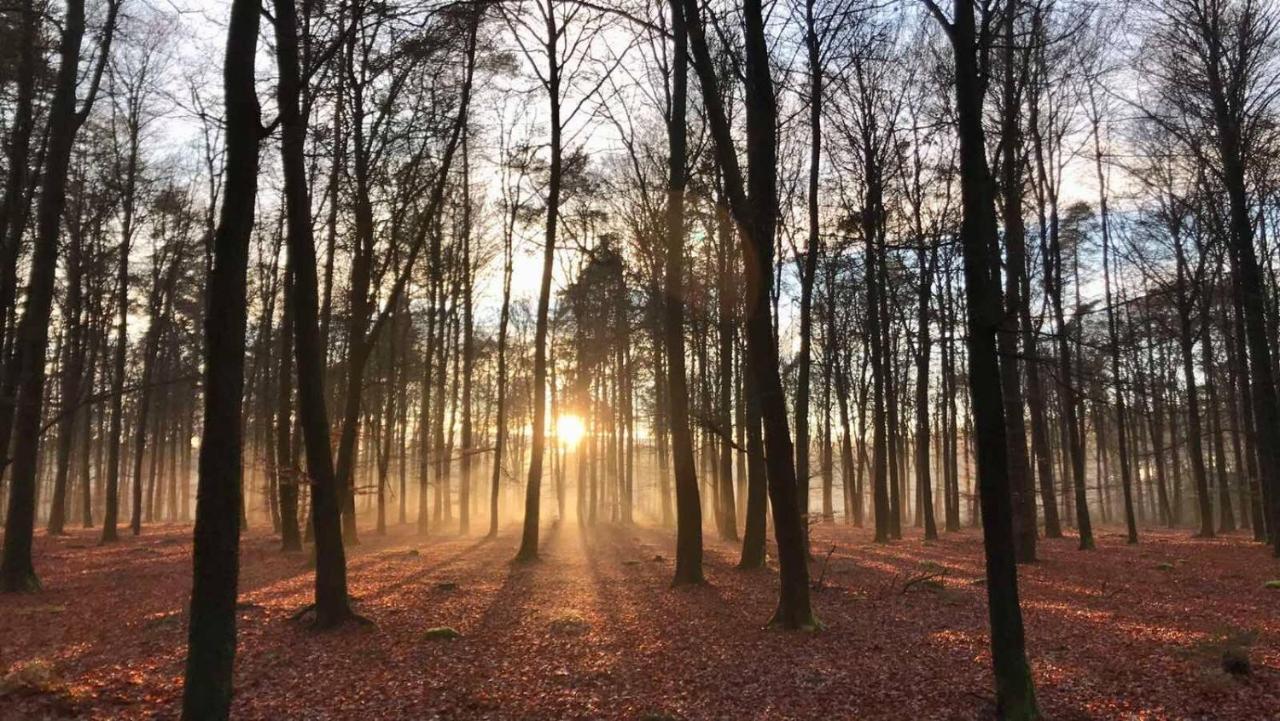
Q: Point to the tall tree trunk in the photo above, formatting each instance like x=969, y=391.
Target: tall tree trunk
x=757, y=507
x=1113, y=334
x=1245, y=432
x=116, y=441
x=952, y=505
x=726, y=300
x=926, y=261
x=533, y=489
x=1155, y=431
x=1068, y=393
x=500, y=427
x=468, y=344
x=72, y=374
x=1226, y=515
x=1186, y=343
x=757, y=218
x=17, y=573
x=16, y=205
x=332, y=606
x=1266, y=407
x=853, y=500
x=872, y=214
x=211, y=633
x=809, y=268
x=1020, y=481
x=288, y=474
x=688, y=504
x=1015, y=692
x=150, y=348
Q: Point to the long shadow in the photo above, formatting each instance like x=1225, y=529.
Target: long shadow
x=424, y=571
x=514, y=591
x=493, y=636
x=653, y=579
x=368, y=555
x=686, y=633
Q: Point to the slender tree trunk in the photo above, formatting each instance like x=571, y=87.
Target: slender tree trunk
x=17, y=573
x=809, y=268
x=116, y=440
x=1227, y=519
x=332, y=606
x=757, y=507
x=757, y=219
x=688, y=504
x=1195, y=441
x=72, y=374
x=871, y=218
x=1155, y=426
x=533, y=490
x=468, y=345
x=1068, y=393
x=211, y=633
x=14, y=210
x=1245, y=433
x=726, y=300
x=1015, y=692
x=150, y=348
x=1020, y=481
x=1113, y=333
x=923, y=480
x=853, y=499
x=500, y=427
x=1266, y=407
x=289, y=476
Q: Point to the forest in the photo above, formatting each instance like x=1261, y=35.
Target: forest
x=652, y=360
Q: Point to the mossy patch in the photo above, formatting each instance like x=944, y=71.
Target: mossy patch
x=1273, y=585
x=569, y=624
x=932, y=567
x=1164, y=566
x=440, y=633
x=165, y=619
x=1235, y=661
x=32, y=677
x=1227, y=650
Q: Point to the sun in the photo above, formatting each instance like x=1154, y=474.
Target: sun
x=570, y=429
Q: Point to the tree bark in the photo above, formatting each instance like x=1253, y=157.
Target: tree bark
x=17, y=573
x=533, y=488
x=1020, y=482
x=211, y=634
x=757, y=218
x=688, y=504
x=332, y=606
x=1015, y=692
x=1113, y=334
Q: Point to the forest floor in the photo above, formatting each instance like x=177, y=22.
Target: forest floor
x=594, y=631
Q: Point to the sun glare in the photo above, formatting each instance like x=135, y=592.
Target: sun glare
x=570, y=429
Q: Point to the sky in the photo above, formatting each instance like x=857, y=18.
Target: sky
x=177, y=134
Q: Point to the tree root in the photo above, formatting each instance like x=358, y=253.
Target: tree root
x=811, y=624
x=343, y=617
x=27, y=582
